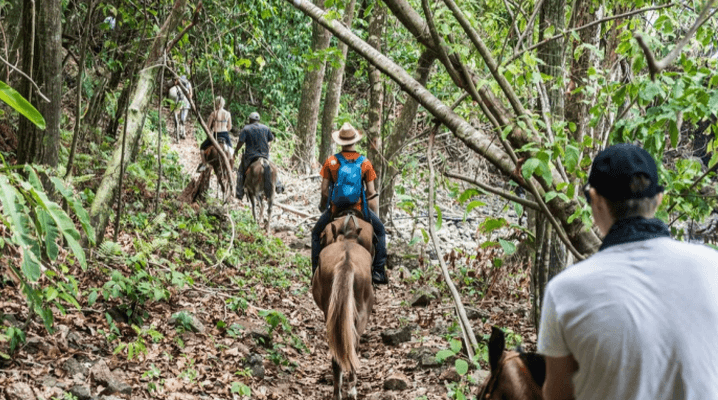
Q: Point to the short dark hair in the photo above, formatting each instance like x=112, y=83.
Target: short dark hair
x=642, y=207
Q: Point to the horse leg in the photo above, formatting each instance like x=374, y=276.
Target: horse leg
x=177, y=126
x=270, y=200
x=337, y=373
x=253, y=199
x=352, y=393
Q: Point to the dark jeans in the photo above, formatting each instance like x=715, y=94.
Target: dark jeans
x=219, y=137
x=379, y=232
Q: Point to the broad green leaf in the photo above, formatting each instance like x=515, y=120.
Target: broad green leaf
x=462, y=367
x=509, y=247
x=492, y=224
x=64, y=223
x=529, y=167
x=467, y=194
x=474, y=204
x=50, y=233
x=571, y=157
x=455, y=345
x=16, y=101
x=444, y=354
x=673, y=129
x=77, y=208
x=550, y=196
x=30, y=265
x=10, y=202
x=50, y=294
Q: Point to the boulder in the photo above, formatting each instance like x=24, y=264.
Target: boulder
x=394, y=337
x=195, y=325
x=396, y=382
x=450, y=375
x=102, y=375
x=19, y=391
x=81, y=392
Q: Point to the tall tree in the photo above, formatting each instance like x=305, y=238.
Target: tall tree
x=42, y=61
x=376, y=92
x=334, y=89
x=305, y=144
x=137, y=111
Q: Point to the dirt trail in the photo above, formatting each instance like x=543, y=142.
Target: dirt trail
x=397, y=353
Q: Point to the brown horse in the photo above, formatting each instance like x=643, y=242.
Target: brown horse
x=213, y=158
x=515, y=375
x=349, y=221
x=342, y=289
x=260, y=182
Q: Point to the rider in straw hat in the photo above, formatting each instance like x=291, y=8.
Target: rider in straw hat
x=347, y=137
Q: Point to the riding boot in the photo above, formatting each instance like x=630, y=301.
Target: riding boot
x=378, y=275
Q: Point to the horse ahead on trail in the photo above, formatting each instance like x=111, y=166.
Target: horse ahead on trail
x=515, y=375
x=260, y=183
x=181, y=106
x=341, y=287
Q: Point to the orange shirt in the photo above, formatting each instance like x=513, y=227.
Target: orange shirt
x=330, y=169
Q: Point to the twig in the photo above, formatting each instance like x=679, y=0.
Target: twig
x=231, y=242
x=580, y=28
x=466, y=329
x=293, y=210
x=195, y=17
x=654, y=66
x=508, y=196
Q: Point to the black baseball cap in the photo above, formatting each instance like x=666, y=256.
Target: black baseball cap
x=614, y=167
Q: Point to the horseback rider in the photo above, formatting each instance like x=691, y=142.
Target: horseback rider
x=219, y=123
x=257, y=137
x=347, y=137
x=184, y=102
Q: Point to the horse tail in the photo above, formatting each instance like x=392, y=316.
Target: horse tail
x=268, y=189
x=341, y=332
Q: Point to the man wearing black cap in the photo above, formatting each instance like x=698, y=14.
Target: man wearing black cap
x=638, y=319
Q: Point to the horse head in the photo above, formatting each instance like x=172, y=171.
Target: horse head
x=515, y=375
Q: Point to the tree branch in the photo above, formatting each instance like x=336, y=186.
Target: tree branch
x=26, y=77
x=466, y=329
x=654, y=67
x=508, y=196
x=195, y=18
x=600, y=21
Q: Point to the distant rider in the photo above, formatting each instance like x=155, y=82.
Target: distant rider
x=219, y=123
x=184, y=102
x=347, y=137
x=257, y=137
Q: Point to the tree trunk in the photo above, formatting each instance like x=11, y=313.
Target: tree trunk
x=334, y=90
x=578, y=104
x=139, y=106
x=552, y=15
x=306, y=140
x=404, y=125
x=376, y=95
x=42, y=58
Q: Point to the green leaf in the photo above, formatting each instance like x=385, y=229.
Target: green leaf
x=49, y=230
x=50, y=294
x=474, y=204
x=509, y=247
x=571, y=157
x=673, y=129
x=455, y=345
x=444, y=354
x=439, y=218
x=77, y=208
x=462, y=367
x=426, y=235
x=529, y=167
x=491, y=224
x=16, y=101
x=467, y=194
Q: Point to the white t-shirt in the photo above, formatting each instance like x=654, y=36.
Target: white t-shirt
x=641, y=320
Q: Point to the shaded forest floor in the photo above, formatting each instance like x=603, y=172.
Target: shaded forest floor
x=220, y=317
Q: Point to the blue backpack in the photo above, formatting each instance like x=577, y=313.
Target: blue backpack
x=348, y=189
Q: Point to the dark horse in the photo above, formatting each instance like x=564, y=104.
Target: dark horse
x=342, y=289
x=515, y=375
x=213, y=158
x=260, y=181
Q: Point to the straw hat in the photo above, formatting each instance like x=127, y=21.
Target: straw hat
x=347, y=135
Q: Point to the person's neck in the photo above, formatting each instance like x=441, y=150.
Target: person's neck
x=349, y=148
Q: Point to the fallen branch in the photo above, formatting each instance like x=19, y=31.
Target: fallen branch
x=654, y=66
x=466, y=329
x=508, y=196
x=293, y=210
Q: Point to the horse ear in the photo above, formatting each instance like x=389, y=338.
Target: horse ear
x=496, y=347
x=359, y=231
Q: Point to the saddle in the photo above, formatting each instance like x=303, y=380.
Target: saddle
x=347, y=223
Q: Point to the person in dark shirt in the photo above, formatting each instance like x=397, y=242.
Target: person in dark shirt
x=257, y=137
